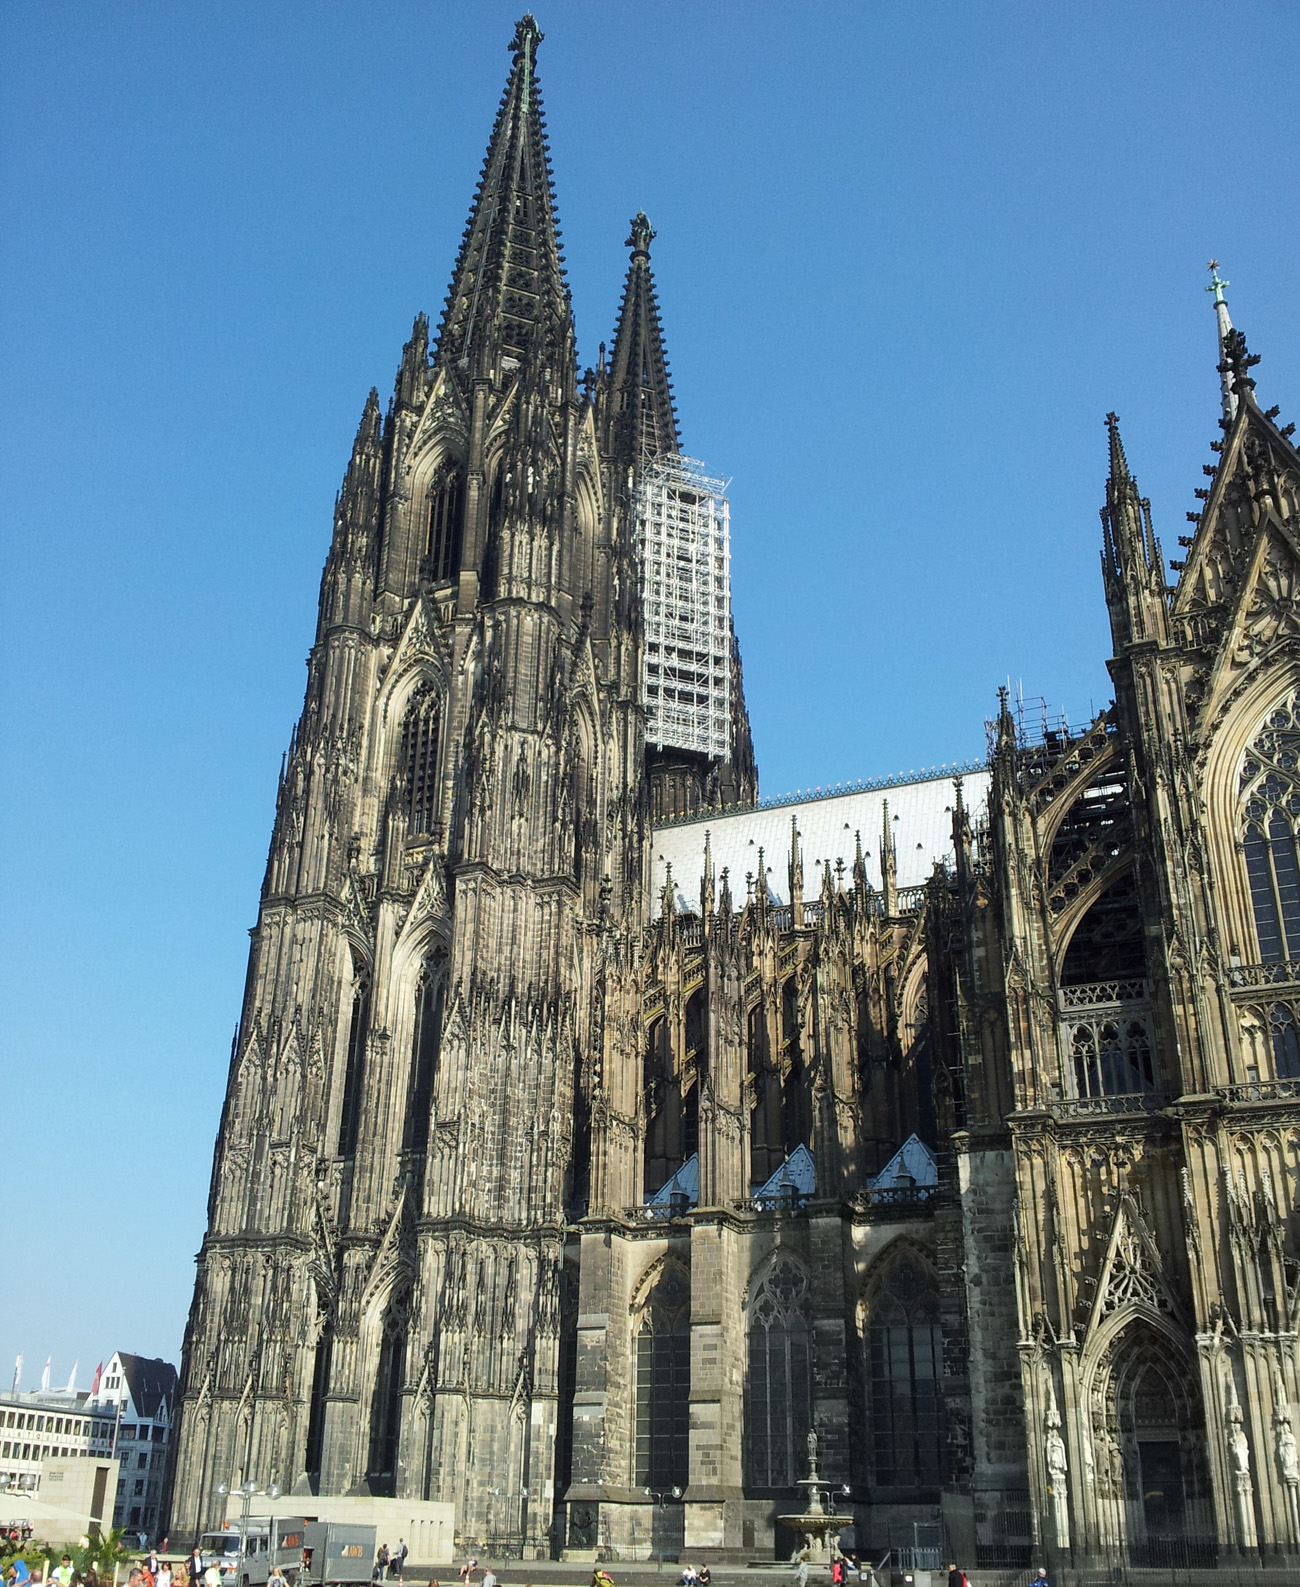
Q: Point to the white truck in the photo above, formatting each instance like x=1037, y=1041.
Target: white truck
x=268, y=1541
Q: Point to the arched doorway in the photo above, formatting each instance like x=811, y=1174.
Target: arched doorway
x=1149, y=1447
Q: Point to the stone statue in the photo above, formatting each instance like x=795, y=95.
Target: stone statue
x=812, y=1451
x=1286, y=1453
x=1239, y=1452
x=1057, y=1469
x=1057, y=1466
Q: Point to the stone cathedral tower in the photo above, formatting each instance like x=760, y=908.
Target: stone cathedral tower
x=457, y=871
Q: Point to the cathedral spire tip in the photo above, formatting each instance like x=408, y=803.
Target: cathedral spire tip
x=1118, y=462
x=641, y=235
x=1217, y=286
x=526, y=39
x=508, y=295
x=644, y=418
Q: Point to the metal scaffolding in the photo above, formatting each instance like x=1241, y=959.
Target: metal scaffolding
x=684, y=543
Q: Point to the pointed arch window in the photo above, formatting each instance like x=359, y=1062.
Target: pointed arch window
x=663, y=1382
x=778, y=1388
x=419, y=760
x=386, y=1399
x=426, y=1043
x=320, y=1384
x=354, y=1063
x=1284, y=1034
x=1269, y=791
x=904, y=1344
x=446, y=519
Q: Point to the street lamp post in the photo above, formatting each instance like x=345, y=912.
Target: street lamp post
x=248, y=1491
x=661, y=1497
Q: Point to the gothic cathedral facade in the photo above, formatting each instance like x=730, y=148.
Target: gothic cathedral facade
x=569, y=1179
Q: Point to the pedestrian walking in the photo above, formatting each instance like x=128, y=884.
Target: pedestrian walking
x=381, y=1563
x=801, y=1571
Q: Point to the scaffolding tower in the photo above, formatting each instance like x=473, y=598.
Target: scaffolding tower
x=684, y=543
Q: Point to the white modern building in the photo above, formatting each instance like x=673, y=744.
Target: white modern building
x=126, y=1417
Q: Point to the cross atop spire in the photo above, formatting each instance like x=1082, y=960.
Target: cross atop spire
x=1217, y=285
x=508, y=293
x=644, y=422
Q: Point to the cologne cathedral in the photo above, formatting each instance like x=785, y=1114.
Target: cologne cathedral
x=595, y=1132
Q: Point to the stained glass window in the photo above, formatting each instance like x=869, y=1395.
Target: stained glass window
x=905, y=1377
x=778, y=1397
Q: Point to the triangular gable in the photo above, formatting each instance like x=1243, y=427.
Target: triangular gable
x=1220, y=546
x=912, y=1158
x=1266, y=611
x=1224, y=546
x=422, y=640
x=444, y=414
x=1132, y=1275
x=685, y=1182
x=794, y=1180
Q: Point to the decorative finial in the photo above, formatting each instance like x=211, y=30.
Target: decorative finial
x=642, y=235
x=1217, y=283
x=527, y=37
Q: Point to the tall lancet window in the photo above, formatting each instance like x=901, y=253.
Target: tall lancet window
x=386, y=1398
x=354, y=1063
x=778, y=1389
x=663, y=1382
x=1270, y=797
x=446, y=516
x=904, y=1343
x=425, y=1044
x=419, y=759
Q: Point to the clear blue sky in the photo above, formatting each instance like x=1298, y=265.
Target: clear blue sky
x=908, y=256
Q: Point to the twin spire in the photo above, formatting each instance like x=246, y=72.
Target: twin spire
x=509, y=298
x=644, y=418
x=508, y=294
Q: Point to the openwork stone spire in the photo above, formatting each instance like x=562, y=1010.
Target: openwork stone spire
x=644, y=419
x=508, y=293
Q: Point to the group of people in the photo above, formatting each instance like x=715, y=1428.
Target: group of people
x=64, y=1574
x=390, y=1565
x=696, y=1576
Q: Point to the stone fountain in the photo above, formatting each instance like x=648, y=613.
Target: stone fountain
x=816, y=1526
